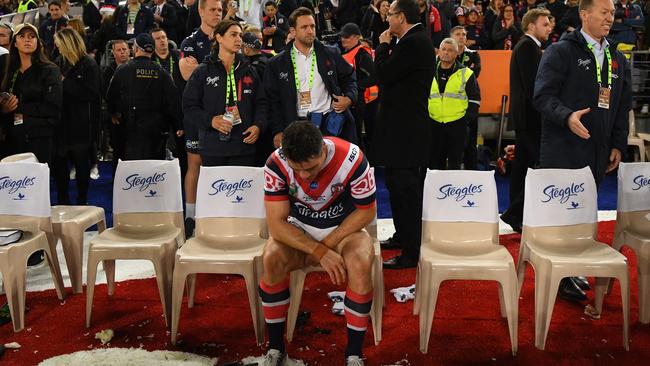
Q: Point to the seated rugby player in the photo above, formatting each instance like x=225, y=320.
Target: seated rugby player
x=319, y=196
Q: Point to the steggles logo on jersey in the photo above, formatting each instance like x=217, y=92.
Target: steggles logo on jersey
x=143, y=183
x=231, y=188
x=331, y=213
x=214, y=81
x=14, y=185
x=460, y=193
x=562, y=195
x=640, y=182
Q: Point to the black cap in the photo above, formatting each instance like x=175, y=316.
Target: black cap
x=250, y=40
x=144, y=41
x=350, y=29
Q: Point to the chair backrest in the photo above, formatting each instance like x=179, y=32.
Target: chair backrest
x=560, y=204
x=25, y=189
x=464, y=203
x=24, y=157
x=633, y=208
x=147, y=186
x=236, y=192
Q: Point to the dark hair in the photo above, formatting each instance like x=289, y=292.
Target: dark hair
x=301, y=141
x=157, y=29
x=531, y=17
x=300, y=12
x=221, y=30
x=270, y=3
x=13, y=61
x=54, y=2
x=410, y=9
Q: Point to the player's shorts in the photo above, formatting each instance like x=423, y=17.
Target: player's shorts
x=192, y=138
x=316, y=233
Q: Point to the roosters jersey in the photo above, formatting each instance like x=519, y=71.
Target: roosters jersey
x=344, y=184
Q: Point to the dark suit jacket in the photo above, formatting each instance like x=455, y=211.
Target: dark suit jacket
x=193, y=18
x=405, y=71
x=168, y=23
x=524, y=62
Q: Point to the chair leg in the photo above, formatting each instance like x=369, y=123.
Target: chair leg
x=600, y=289
x=73, y=251
x=297, y=285
x=643, y=270
x=178, y=288
x=191, y=288
x=259, y=272
x=109, y=269
x=377, y=311
x=509, y=289
x=624, y=281
x=427, y=313
x=251, y=288
x=503, y=299
x=423, y=276
x=101, y=226
x=551, y=286
x=163, y=279
x=521, y=268
x=14, y=283
x=417, y=303
x=55, y=270
x=91, y=274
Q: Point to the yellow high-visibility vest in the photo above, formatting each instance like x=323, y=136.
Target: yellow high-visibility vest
x=24, y=6
x=451, y=104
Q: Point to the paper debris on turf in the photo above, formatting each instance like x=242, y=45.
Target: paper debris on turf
x=105, y=335
x=14, y=345
x=129, y=357
x=260, y=361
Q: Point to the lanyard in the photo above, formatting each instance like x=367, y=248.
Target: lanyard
x=295, y=69
x=609, y=68
x=171, y=64
x=133, y=15
x=231, y=85
x=13, y=82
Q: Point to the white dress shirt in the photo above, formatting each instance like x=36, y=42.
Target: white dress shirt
x=599, y=48
x=321, y=101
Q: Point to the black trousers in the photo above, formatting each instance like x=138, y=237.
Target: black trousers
x=405, y=189
x=81, y=162
x=448, y=144
x=42, y=147
x=245, y=160
x=469, y=156
x=526, y=156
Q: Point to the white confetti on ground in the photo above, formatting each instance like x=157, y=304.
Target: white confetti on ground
x=260, y=360
x=128, y=357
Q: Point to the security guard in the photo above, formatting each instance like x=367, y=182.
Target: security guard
x=454, y=98
x=143, y=101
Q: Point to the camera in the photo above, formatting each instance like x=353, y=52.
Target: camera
x=331, y=38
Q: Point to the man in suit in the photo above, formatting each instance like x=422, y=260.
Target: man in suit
x=405, y=63
x=164, y=15
x=527, y=120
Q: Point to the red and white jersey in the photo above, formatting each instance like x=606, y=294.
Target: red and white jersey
x=344, y=184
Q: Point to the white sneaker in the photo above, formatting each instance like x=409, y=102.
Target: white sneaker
x=94, y=172
x=645, y=109
x=274, y=358
x=353, y=361
x=73, y=173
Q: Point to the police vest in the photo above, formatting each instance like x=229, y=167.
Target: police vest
x=451, y=104
x=23, y=7
x=372, y=92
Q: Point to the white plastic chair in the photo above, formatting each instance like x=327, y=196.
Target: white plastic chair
x=559, y=240
x=460, y=241
x=148, y=224
x=25, y=205
x=230, y=236
x=633, y=225
x=24, y=157
x=635, y=140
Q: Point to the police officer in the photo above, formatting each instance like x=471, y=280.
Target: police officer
x=143, y=102
x=454, y=98
x=472, y=59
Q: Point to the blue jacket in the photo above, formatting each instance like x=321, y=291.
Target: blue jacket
x=566, y=82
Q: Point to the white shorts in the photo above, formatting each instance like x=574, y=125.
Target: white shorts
x=314, y=232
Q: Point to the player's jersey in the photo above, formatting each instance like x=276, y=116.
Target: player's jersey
x=197, y=45
x=343, y=185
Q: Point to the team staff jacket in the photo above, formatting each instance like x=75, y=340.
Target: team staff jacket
x=565, y=83
x=205, y=97
x=40, y=93
x=280, y=86
x=142, y=24
x=145, y=96
x=345, y=184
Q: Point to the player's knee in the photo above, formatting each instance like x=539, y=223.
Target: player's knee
x=359, y=260
x=274, y=260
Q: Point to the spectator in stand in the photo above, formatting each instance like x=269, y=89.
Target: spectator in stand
x=5, y=7
x=75, y=134
x=25, y=5
x=193, y=18
x=65, y=8
x=6, y=32
x=164, y=17
x=430, y=17
x=182, y=13
x=522, y=8
x=477, y=37
x=554, y=36
x=275, y=27
x=361, y=60
x=632, y=13
x=133, y=19
x=232, y=118
x=524, y=62
x=286, y=7
x=51, y=25
x=346, y=12
x=375, y=21
x=78, y=25
x=571, y=19
x=492, y=14
x=91, y=15
x=194, y=49
x=557, y=9
x=507, y=30
x=231, y=7
x=106, y=33
x=446, y=9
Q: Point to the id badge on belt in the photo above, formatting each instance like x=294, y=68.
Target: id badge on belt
x=233, y=113
x=305, y=100
x=604, y=96
x=18, y=119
